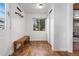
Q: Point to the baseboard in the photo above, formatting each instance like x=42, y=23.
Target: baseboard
x=38, y=40
x=60, y=50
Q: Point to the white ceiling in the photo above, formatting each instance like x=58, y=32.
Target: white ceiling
x=32, y=7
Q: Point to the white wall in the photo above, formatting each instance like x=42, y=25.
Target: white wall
x=60, y=13
x=63, y=27
x=70, y=27
x=47, y=29
x=17, y=25
x=35, y=35
x=51, y=27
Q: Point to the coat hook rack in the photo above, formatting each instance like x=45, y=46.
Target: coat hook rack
x=19, y=9
x=19, y=14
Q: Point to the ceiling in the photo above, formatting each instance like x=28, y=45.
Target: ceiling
x=32, y=7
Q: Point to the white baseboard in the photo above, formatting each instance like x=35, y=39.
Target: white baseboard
x=60, y=50
x=38, y=40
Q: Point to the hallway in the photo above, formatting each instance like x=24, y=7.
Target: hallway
x=48, y=25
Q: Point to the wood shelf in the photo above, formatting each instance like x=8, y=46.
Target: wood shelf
x=75, y=20
x=76, y=6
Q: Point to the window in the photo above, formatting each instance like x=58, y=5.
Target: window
x=39, y=24
x=2, y=15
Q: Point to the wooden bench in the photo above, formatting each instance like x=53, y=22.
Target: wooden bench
x=21, y=42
